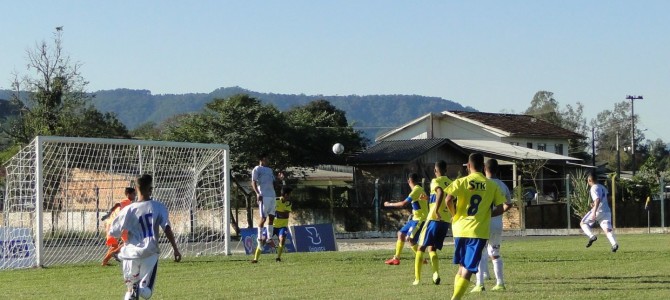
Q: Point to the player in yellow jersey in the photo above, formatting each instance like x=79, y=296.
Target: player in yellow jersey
x=437, y=224
x=479, y=198
x=280, y=224
x=410, y=232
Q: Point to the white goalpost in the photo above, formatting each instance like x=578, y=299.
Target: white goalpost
x=58, y=188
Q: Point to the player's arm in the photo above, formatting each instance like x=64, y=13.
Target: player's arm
x=109, y=213
x=398, y=204
x=254, y=185
x=594, y=209
x=170, y=236
x=439, y=197
x=499, y=200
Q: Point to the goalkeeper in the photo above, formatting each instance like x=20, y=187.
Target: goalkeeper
x=113, y=244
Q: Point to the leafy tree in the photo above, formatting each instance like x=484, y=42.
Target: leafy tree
x=545, y=107
x=244, y=123
x=148, y=131
x=610, y=123
x=54, y=101
x=573, y=119
x=315, y=127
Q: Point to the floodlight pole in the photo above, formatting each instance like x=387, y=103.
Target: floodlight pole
x=632, y=126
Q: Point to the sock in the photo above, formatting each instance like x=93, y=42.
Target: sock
x=434, y=261
x=460, y=287
x=260, y=234
x=587, y=230
x=398, y=248
x=269, y=232
x=610, y=236
x=257, y=253
x=498, y=270
x=483, y=267
x=415, y=248
x=418, y=263
x=127, y=296
x=280, y=249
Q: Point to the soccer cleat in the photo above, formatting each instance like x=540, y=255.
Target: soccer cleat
x=615, y=247
x=416, y=282
x=278, y=259
x=436, y=278
x=135, y=293
x=253, y=261
x=271, y=243
x=478, y=289
x=425, y=261
x=116, y=257
x=498, y=287
x=393, y=261
x=591, y=240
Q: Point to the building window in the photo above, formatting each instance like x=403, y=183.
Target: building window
x=542, y=147
x=559, y=149
x=529, y=145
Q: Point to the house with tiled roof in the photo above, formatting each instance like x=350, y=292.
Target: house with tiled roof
x=514, y=140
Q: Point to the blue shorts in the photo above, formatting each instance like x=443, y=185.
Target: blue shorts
x=468, y=252
x=433, y=234
x=281, y=231
x=412, y=229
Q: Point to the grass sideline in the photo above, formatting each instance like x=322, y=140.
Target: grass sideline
x=535, y=268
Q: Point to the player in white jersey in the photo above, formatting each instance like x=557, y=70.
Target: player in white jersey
x=495, y=238
x=142, y=221
x=262, y=181
x=600, y=212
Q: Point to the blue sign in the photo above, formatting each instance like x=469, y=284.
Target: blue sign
x=250, y=241
x=314, y=238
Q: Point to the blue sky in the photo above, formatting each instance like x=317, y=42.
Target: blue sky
x=491, y=55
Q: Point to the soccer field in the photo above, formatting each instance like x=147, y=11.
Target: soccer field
x=535, y=268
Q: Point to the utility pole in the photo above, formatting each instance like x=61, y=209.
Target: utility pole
x=632, y=126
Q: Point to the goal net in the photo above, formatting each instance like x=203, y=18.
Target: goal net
x=58, y=188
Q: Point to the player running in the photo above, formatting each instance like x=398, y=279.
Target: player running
x=600, y=212
x=410, y=232
x=284, y=208
x=472, y=213
x=142, y=220
x=437, y=224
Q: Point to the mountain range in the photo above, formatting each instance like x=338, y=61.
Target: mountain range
x=372, y=114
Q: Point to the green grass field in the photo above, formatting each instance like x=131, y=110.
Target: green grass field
x=535, y=268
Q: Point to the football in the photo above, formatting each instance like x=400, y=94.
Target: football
x=338, y=148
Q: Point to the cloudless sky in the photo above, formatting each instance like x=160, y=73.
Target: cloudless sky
x=491, y=55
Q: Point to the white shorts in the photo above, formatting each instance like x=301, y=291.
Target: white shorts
x=142, y=270
x=267, y=206
x=604, y=219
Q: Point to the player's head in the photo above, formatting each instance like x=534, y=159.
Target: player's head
x=476, y=162
x=413, y=178
x=145, y=184
x=491, y=167
x=130, y=193
x=440, y=168
x=263, y=159
x=591, y=179
x=286, y=192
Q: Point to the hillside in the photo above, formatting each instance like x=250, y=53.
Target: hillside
x=373, y=114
